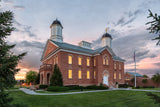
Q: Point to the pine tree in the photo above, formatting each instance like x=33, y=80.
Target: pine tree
x=56, y=79
x=154, y=25
x=8, y=61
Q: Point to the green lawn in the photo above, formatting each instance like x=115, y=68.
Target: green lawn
x=98, y=99
x=63, y=92
x=149, y=88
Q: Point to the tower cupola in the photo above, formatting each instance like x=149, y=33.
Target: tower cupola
x=56, y=31
x=106, y=39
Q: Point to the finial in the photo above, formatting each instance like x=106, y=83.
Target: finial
x=106, y=29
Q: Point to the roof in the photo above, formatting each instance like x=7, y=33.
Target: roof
x=107, y=35
x=133, y=74
x=57, y=22
x=66, y=46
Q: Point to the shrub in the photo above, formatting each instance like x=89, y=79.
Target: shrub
x=151, y=87
x=144, y=81
x=123, y=85
x=96, y=87
x=136, y=87
x=74, y=87
x=43, y=86
x=57, y=88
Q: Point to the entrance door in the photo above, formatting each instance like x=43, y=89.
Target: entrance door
x=105, y=78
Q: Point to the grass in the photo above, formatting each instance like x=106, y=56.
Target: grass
x=150, y=88
x=98, y=99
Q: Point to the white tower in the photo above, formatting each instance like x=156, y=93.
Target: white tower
x=106, y=40
x=56, y=31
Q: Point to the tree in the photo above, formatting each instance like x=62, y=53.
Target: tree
x=145, y=76
x=144, y=81
x=156, y=78
x=8, y=61
x=38, y=79
x=154, y=25
x=31, y=77
x=56, y=79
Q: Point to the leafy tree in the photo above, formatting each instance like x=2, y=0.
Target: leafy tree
x=38, y=79
x=145, y=76
x=8, y=61
x=154, y=25
x=156, y=78
x=144, y=81
x=56, y=79
x=31, y=76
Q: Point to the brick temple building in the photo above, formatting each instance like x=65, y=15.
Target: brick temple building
x=81, y=65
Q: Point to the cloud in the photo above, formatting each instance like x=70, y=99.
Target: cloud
x=18, y=7
x=24, y=29
x=34, y=44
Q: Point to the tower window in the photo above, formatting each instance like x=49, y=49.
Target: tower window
x=88, y=62
x=79, y=61
x=70, y=74
x=69, y=59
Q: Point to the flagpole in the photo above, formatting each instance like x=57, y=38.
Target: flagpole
x=135, y=66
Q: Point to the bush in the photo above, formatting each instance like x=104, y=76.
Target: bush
x=75, y=87
x=151, y=87
x=136, y=87
x=123, y=86
x=94, y=87
x=57, y=88
x=43, y=86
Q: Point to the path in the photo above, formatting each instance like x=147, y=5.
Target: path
x=31, y=92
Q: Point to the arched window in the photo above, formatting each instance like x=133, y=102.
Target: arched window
x=120, y=66
x=88, y=62
x=120, y=77
x=70, y=74
x=94, y=62
x=79, y=74
x=88, y=74
x=115, y=65
x=94, y=74
x=105, y=60
x=114, y=75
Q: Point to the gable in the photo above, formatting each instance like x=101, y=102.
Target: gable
x=49, y=48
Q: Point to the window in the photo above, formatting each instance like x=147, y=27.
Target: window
x=94, y=62
x=120, y=66
x=105, y=61
x=69, y=59
x=115, y=66
x=80, y=74
x=70, y=74
x=120, y=76
x=79, y=61
x=115, y=75
x=56, y=59
x=94, y=74
x=88, y=75
x=88, y=62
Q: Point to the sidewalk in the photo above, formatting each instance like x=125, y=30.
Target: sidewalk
x=31, y=92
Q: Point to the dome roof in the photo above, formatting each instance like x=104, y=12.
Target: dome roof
x=107, y=35
x=57, y=22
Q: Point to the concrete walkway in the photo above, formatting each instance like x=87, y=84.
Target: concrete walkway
x=31, y=92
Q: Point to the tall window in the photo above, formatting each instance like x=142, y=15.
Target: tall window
x=70, y=74
x=115, y=75
x=94, y=62
x=80, y=74
x=88, y=75
x=88, y=62
x=94, y=74
x=119, y=66
x=115, y=66
x=79, y=61
x=69, y=59
x=105, y=61
x=56, y=59
x=120, y=76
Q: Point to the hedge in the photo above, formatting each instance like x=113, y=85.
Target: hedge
x=75, y=87
x=57, y=88
x=94, y=87
x=43, y=86
x=123, y=86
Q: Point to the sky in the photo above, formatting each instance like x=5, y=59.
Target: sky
x=85, y=20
